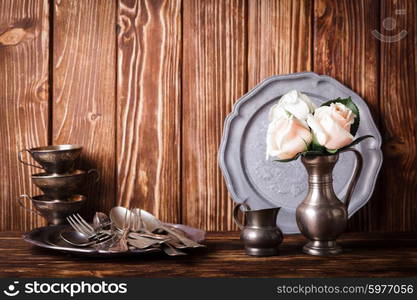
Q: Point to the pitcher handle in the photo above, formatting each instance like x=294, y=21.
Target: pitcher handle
x=20, y=201
x=19, y=157
x=356, y=174
x=94, y=173
x=236, y=214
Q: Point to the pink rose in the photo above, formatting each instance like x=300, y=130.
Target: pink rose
x=331, y=125
x=286, y=137
x=295, y=103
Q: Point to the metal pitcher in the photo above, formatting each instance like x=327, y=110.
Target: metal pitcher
x=322, y=217
x=260, y=232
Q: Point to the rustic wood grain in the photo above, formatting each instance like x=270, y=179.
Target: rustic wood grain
x=366, y=255
x=84, y=42
x=345, y=49
x=279, y=38
x=24, y=54
x=148, y=106
x=398, y=108
x=214, y=77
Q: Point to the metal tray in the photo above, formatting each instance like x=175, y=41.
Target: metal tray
x=263, y=183
x=49, y=237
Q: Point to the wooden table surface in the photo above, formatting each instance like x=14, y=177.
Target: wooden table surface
x=366, y=255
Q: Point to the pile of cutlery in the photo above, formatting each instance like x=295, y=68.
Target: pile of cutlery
x=125, y=230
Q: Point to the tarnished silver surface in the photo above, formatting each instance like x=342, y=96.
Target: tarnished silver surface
x=79, y=239
x=54, y=211
x=150, y=224
x=322, y=217
x=54, y=158
x=260, y=233
x=62, y=186
x=50, y=237
x=264, y=183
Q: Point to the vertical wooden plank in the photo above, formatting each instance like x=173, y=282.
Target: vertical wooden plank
x=280, y=38
x=398, y=107
x=24, y=37
x=214, y=76
x=149, y=106
x=345, y=49
x=84, y=88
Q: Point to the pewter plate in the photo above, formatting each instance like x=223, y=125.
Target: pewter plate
x=49, y=237
x=264, y=183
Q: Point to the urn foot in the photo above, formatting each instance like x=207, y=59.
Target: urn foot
x=322, y=248
x=261, y=251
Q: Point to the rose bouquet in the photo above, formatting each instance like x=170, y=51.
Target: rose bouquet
x=297, y=127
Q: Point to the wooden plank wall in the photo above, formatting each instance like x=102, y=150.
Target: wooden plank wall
x=83, y=88
x=149, y=106
x=145, y=86
x=214, y=76
x=24, y=102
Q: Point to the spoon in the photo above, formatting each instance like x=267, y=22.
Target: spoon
x=79, y=239
x=149, y=224
x=100, y=221
x=118, y=216
x=121, y=245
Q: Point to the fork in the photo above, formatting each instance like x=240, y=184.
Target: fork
x=79, y=224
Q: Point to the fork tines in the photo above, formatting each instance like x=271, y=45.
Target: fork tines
x=79, y=224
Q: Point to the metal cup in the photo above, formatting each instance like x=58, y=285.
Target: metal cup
x=62, y=186
x=54, y=211
x=260, y=232
x=54, y=159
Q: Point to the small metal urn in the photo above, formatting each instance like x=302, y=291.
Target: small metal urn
x=322, y=217
x=260, y=232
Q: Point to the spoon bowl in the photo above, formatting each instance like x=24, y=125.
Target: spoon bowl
x=76, y=238
x=100, y=221
x=118, y=216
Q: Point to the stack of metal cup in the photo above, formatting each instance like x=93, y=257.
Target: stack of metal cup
x=63, y=185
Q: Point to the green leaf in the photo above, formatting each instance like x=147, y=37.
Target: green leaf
x=332, y=151
x=289, y=159
x=315, y=146
x=352, y=106
x=306, y=144
x=357, y=141
x=322, y=151
x=314, y=153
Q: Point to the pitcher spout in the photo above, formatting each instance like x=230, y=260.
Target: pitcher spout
x=263, y=217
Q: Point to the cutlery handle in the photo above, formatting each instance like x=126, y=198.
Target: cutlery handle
x=356, y=173
x=186, y=241
x=236, y=214
x=19, y=156
x=20, y=201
